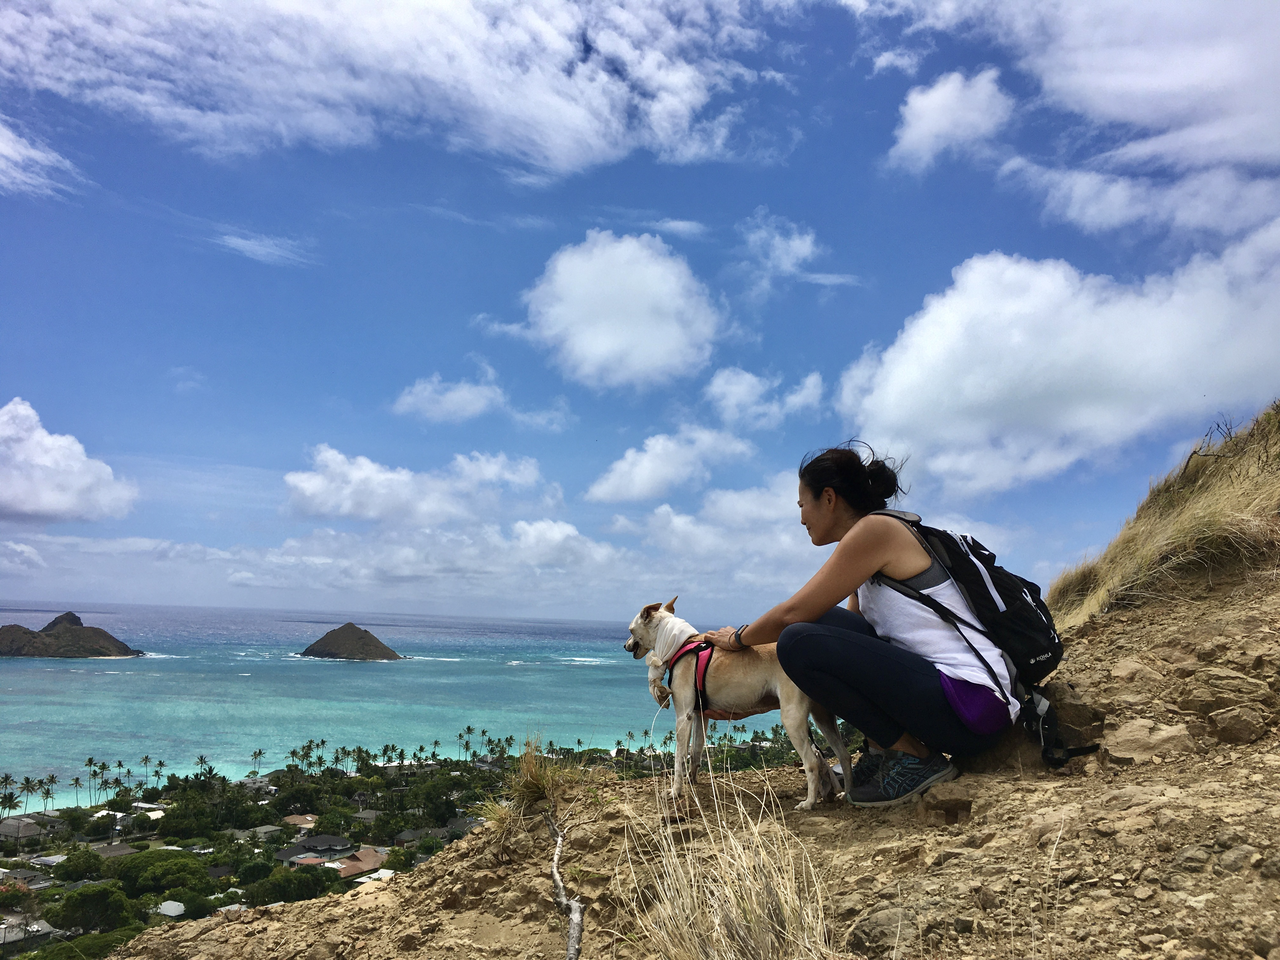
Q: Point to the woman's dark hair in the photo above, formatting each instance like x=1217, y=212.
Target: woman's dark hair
x=865, y=485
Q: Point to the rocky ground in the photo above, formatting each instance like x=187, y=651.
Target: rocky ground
x=1166, y=844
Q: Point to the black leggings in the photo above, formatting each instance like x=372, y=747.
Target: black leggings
x=882, y=689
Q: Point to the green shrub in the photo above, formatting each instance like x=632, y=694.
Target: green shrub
x=80, y=865
x=93, y=946
x=98, y=906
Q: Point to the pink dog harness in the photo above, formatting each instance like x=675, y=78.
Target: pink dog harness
x=703, y=649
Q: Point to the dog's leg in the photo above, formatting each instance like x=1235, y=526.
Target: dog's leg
x=686, y=721
x=795, y=717
x=830, y=728
x=699, y=741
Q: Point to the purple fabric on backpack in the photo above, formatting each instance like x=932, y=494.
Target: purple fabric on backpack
x=979, y=708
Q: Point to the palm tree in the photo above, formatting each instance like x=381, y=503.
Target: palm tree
x=27, y=788
x=8, y=802
x=435, y=748
x=160, y=765
x=6, y=781
x=461, y=738
x=146, y=767
x=257, y=757
x=76, y=784
x=46, y=794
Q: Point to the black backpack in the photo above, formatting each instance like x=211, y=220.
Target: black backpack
x=1010, y=613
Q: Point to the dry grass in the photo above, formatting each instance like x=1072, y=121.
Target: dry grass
x=1218, y=515
x=531, y=788
x=735, y=867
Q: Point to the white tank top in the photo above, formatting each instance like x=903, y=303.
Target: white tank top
x=911, y=625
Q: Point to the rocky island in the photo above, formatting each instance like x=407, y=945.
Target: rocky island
x=63, y=636
x=349, y=642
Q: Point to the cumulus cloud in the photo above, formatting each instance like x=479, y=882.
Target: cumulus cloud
x=555, y=84
x=30, y=168
x=1220, y=200
x=274, y=251
x=745, y=399
x=1168, y=89
x=622, y=312
x=667, y=461
x=779, y=249
x=48, y=477
x=954, y=113
x=1022, y=368
x=439, y=401
x=357, y=487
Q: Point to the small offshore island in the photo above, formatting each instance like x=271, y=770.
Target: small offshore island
x=63, y=636
x=349, y=642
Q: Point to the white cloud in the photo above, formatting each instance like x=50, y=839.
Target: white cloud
x=899, y=58
x=185, y=379
x=342, y=486
x=743, y=398
x=1220, y=200
x=1022, y=368
x=436, y=400
x=665, y=462
x=48, y=477
x=1167, y=90
x=779, y=248
x=275, y=251
x=622, y=312
x=27, y=167
x=685, y=229
x=555, y=84
x=953, y=113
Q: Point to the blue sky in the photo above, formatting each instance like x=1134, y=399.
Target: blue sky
x=533, y=311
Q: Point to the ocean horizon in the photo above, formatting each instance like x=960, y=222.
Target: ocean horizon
x=224, y=682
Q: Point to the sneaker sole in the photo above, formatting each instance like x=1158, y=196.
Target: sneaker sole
x=942, y=776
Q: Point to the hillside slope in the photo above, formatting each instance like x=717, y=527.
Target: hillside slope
x=1167, y=844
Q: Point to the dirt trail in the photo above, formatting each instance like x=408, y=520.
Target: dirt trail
x=1164, y=845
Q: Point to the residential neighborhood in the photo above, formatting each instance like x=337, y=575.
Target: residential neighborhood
x=185, y=847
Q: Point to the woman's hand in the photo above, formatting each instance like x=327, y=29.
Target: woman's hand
x=723, y=638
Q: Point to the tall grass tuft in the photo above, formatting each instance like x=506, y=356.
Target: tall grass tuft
x=726, y=884
x=1217, y=515
x=531, y=787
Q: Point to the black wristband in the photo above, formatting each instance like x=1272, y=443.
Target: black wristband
x=737, y=637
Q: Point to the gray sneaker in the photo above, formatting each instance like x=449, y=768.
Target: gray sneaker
x=900, y=777
x=865, y=770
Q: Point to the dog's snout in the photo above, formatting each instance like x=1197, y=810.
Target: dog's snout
x=630, y=645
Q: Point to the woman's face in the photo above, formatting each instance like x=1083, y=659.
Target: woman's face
x=817, y=514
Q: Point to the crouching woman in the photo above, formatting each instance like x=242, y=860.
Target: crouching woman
x=886, y=664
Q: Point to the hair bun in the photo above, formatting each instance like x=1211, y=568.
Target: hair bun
x=882, y=479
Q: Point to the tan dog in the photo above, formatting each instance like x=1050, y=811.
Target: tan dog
x=738, y=682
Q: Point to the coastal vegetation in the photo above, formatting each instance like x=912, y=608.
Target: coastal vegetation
x=218, y=842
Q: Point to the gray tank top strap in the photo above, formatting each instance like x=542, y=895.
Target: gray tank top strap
x=935, y=576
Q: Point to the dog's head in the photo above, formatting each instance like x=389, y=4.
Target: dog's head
x=643, y=636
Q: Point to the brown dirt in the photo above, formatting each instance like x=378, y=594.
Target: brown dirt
x=1167, y=844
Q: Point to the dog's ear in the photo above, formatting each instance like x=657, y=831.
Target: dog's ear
x=670, y=605
x=648, y=612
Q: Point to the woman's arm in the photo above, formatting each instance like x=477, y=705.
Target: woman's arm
x=865, y=549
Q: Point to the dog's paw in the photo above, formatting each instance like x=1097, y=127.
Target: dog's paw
x=661, y=694
x=804, y=805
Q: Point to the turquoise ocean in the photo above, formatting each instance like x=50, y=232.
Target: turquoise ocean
x=222, y=683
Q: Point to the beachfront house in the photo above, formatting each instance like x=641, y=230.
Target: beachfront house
x=316, y=849
x=365, y=816
x=365, y=860
x=257, y=833
x=23, y=828
x=302, y=821
x=31, y=879
x=15, y=938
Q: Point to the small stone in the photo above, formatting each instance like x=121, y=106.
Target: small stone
x=1137, y=741
x=1238, y=858
x=987, y=898
x=964, y=924
x=1228, y=837
x=1132, y=671
x=1237, y=725
x=1270, y=868
x=1191, y=859
x=1152, y=940
x=1143, y=893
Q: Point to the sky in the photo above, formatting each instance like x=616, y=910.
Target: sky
x=532, y=310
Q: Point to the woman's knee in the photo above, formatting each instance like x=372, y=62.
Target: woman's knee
x=791, y=645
